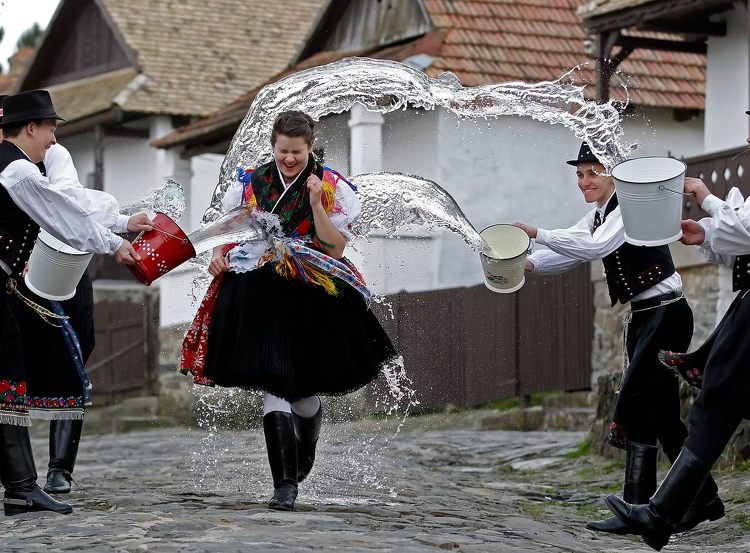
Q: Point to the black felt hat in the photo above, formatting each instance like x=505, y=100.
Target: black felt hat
x=585, y=155
x=748, y=112
x=28, y=106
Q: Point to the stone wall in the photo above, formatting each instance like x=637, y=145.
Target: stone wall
x=706, y=288
x=702, y=287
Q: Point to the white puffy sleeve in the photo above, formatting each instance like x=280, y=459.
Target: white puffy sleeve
x=233, y=197
x=346, y=209
x=55, y=211
x=102, y=207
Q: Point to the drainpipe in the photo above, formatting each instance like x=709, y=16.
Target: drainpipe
x=366, y=140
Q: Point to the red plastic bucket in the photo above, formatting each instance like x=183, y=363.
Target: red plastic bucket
x=162, y=249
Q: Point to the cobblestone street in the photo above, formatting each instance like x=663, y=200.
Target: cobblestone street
x=372, y=490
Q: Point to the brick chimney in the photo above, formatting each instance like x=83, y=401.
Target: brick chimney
x=18, y=61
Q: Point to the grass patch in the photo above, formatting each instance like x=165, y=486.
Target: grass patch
x=584, y=449
x=744, y=520
x=534, y=509
x=512, y=402
x=744, y=467
x=617, y=464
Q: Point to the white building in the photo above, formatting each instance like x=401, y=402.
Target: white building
x=500, y=170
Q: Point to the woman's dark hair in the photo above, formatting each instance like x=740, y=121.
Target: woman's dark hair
x=293, y=123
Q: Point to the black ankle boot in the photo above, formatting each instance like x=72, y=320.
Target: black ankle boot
x=18, y=475
x=64, y=437
x=669, y=504
x=640, y=484
x=307, y=431
x=281, y=444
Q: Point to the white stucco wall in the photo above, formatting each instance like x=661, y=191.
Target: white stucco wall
x=498, y=171
x=728, y=84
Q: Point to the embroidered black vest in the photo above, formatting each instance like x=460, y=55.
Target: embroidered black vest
x=631, y=270
x=17, y=230
x=741, y=273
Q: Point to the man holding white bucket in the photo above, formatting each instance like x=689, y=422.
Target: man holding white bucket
x=27, y=202
x=648, y=405
x=718, y=367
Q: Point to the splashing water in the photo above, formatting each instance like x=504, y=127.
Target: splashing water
x=385, y=86
x=168, y=199
x=241, y=225
x=393, y=200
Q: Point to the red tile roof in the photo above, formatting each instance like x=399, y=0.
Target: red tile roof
x=484, y=41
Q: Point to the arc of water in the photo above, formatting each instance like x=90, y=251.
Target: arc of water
x=393, y=200
x=385, y=86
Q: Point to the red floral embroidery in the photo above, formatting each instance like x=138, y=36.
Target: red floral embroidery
x=21, y=388
x=4, y=386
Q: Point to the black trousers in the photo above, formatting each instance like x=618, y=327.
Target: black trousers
x=725, y=395
x=648, y=403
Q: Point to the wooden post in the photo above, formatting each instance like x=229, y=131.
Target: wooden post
x=99, y=157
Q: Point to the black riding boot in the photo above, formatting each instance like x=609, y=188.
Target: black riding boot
x=64, y=437
x=307, y=431
x=18, y=475
x=668, y=505
x=640, y=484
x=282, y=456
x=707, y=505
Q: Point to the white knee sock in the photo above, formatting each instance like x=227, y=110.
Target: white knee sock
x=273, y=403
x=306, y=407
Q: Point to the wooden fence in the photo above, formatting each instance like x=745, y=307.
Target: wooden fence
x=468, y=346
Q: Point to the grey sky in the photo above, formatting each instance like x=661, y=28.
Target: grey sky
x=18, y=15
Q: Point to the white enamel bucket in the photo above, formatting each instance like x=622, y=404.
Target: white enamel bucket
x=505, y=273
x=55, y=268
x=650, y=192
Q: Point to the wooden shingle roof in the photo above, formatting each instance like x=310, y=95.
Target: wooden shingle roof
x=200, y=54
x=191, y=56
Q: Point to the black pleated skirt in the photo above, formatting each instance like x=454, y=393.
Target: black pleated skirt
x=292, y=339
x=54, y=387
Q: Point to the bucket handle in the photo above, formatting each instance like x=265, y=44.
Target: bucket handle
x=182, y=240
x=663, y=188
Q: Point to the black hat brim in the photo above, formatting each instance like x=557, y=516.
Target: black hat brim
x=575, y=162
x=28, y=117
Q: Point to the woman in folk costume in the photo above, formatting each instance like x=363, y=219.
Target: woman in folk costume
x=718, y=367
x=57, y=383
x=648, y=402
x=28, y=202
x=293, y=318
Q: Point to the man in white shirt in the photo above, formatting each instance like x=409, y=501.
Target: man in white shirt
x=718, y=367
x=28, y=202
x=648, y=403
x=56, y=379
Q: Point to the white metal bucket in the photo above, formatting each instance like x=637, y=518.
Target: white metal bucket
x=650, y=192
x=505, y=274
x=55, y=268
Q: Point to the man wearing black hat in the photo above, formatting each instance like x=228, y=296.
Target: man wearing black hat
x=28, y=202
x=718, y=367
x=648, y=404
x=56, y=378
